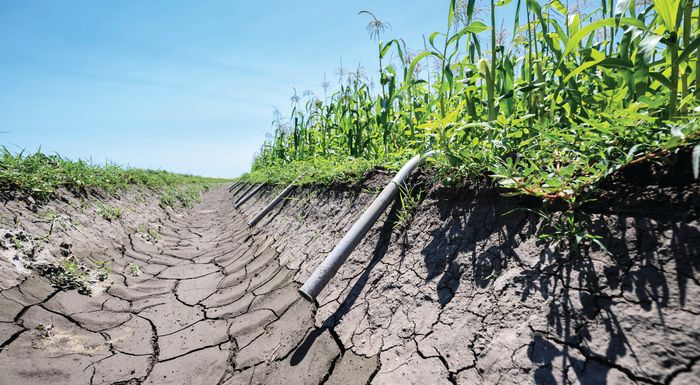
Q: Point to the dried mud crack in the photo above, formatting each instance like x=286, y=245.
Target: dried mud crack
x=462, y=295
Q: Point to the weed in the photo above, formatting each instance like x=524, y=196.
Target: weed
x=44, y=330
x=110, y=213
x=39, y=175
x=17, y=242
x=53, y=218
x=152, y=235
x=409, y=202
x=182, y=196
x=133, y=269
x=494, y=274
x=374, y=191
x=68, y=274
x=566, y=230
x=317, y=170
x=103, y=270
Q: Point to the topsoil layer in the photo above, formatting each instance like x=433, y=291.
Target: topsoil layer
x=464, y=293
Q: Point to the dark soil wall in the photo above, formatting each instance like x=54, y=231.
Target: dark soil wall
x=468, y=293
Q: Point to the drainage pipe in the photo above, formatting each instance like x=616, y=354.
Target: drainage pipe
x=274, y=202
x=327, y=269
x=245, y=192
x=238, y=189
x=233, y=186
x=248, y=196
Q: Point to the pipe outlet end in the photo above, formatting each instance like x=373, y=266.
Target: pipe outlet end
x=307, y=296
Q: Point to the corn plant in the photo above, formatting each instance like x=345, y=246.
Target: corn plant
x=575, y=95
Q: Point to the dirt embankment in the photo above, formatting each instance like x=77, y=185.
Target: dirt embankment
x=465, y=293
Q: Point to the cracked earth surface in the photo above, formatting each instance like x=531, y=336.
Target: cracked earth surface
x=464, y=294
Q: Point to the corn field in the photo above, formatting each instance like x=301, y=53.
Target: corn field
x=576, y=93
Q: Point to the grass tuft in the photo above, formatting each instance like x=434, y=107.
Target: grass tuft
x=110, y=213
x=39, y=175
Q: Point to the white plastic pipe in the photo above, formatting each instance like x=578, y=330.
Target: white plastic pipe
x=238, y=189
x=244, y=191
x=329, y=267
x=274, y=202
x=245, y=198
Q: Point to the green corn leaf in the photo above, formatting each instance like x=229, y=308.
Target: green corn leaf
x=470, y=9
x=530, y=87
x=556, y=4
x=432, y=37
x=473, y=28
x=574, y=23
x=516, y=22
x=608, y=62
x=632, y=151
x=451, y=14
x=414, y=63
x=581, y=68
x=385, y=48
x=477, y=27
x=448, y=75
x=688, y=51
x=610, y=22
x=668, y=12
x=648, y=45
x=658, y=76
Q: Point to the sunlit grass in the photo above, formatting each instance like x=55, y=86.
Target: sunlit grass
x=39, y=175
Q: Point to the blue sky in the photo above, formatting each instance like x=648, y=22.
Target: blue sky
x=185, y=86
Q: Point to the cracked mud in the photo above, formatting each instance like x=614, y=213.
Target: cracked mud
x=463, y=295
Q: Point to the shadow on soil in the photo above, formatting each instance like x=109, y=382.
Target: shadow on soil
x=379, y=251
x=650, y=261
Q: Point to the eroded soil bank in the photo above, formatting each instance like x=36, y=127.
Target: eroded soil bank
x=464, y=293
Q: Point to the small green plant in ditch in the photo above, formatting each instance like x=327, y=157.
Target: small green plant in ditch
x=44, y=330
x=17, y=243
x=372, y=190
x=409, y=201
x=133, y=269
x=306, y=199
x=110, y=213
x=494, y=274
x=103, y=270
x=66, y=275
x=168, y=199
x=566, y=231
x=152, y=235
x=141, y=198
x=184, y=196
x=51, y=215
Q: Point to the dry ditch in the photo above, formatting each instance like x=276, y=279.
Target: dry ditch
x=463, y=294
